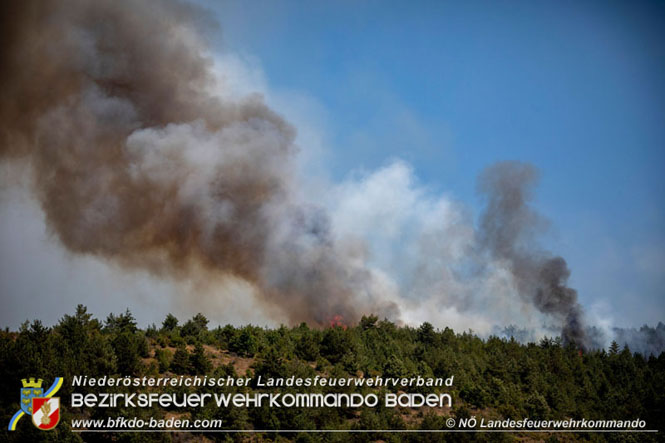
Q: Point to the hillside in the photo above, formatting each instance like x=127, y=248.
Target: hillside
x=493, y=378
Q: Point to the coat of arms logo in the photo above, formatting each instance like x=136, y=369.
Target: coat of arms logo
x=44, y=408
x=46, y=413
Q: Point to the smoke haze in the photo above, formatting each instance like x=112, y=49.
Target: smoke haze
x=142, y=155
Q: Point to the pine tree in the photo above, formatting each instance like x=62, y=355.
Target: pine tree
x=614, y=348
x=170, y=323
x=180, y=363
x=199, y=362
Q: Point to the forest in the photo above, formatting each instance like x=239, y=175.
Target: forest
x=494, y=378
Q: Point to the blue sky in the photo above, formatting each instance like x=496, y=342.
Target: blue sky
x=576, y=88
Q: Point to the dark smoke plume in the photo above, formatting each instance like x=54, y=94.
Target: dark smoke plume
x=137, y=161
x=508, y=229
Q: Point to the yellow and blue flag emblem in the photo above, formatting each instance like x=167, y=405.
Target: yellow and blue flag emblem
x=27, y=394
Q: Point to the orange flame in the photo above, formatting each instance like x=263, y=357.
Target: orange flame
x=337, y=322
